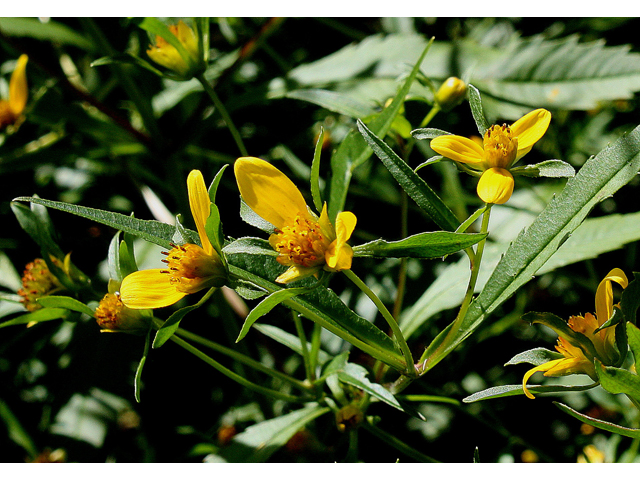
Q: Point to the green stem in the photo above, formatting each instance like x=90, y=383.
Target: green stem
x=225, y=115
x=397, y=443
x=248, y=361
x=303, y=345
x=449, y=339
x=234, y=376
x=315, y=349
x=395, y=328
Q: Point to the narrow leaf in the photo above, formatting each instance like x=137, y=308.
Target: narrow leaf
x=68, y=303
x=609, y=427
x=250, y=246
x=356, y=375
x=42, y=315
x=315, y=173
x=548, y=168
x=633, y=335
x=475, y=102
x=428, y=133
x=137, y=381
x=512, y=390
x=421, y=245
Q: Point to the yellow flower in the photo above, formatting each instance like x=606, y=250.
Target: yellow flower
x=165, y=54
x=502, y=147
x=11, y=110
x=190, y=268
x=575, y=360
x=450, y=93
x=113, y=316
x=305, y=243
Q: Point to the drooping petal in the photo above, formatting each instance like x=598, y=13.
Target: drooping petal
x=296, y=272
x=200, y=204
x=18, y=89
x=339, y=255
x=148, y=289
x=604, y=294
x=459, y=149
x=529, y=129
x=540, y=368
x=269, y=192
x=495, y=186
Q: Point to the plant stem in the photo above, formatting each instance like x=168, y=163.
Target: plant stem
x=437, y=355
x=397, y=333
x=223, y=112
x=234, y=376
x=397, y=443
x=303, y=345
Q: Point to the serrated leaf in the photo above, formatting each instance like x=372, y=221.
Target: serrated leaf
x=410, y=182
x=609, y=427
x=258, y=442
x=421, y=245
x=172, y=323
x=599, y=178
x=548, y=168
x=69, y=303
x=535, y=356
x=618, y=380
x=511, y=390
x=266, y=305
x=150, y=230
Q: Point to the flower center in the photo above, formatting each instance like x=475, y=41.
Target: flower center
x=500, y=146
x=108, y=312
x=301, y=243
x=191, y=269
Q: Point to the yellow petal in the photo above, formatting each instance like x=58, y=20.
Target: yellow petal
x=328, y=231
x=269, y=192
x=18, y=89
x=296, y=272
x=459, y=149
x=495, y=186
x=339, y=255
x=604, y=294
x=540, y=368
x=200, y=204
x=529, y=129
x=148, y=289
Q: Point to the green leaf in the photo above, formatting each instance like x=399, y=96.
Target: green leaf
x=633, y=336
x=535, y=356
x=630, y=299
x=512, y=390
x=289, y=340
x=332, y=101
x=213, y=228
x=127, y=59
x=315, y=173
x=253, y=219
x=421, y=245
x=250, y=246
x=475, y=102
x=599, y=178
x=172, y=323
x=137, y=381
x=49, y=31
x=266, y=305
x=609, y=427
x=42, y=315
x=428, y=133
x=356, y=375
x=258, y=442
x=322, y=306
x=353, y=151
x=410, y=182
x=617, y=380
x=213, y=188
x=68, y=303
x=548, y=168
x=150, y=230
x=16, y=432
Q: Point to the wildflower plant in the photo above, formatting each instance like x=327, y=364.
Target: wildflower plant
x=347, y=281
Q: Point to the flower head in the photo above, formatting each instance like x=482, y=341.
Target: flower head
x=304, y=242
x=575, y=360
x=113, y=316
x=502, y=147
x=38, y=282
x=165, y=54
x=190, y=267
x=11, y=110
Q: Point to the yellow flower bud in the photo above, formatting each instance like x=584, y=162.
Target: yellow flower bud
x=451, y=93
x=113, y=316
x=165, y=54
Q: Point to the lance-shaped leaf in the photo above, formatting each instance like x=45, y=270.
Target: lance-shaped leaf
x=150, y=230
x=618, y=380
x=356, y=375
x=42, y=315
x=535, y=356
x=476, y=110
x=428, y=133
x=548, y=168
x=353, y=151
x=315, y=173
x=410, y=182
x=69, y=303
x=600, y=177
x=608, y=426
x=421, y=245
x=250, y=246
x=512, y=390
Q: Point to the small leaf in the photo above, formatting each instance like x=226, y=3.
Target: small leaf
x=609, y=427
x=69, y=303
x=477, y=111
x=173, y=322
x=315, y=173
x=213, y=188
x=266, y=305
x=535, y=356
x=250, y=246
x=511, y=390
x=428, y=133
x=617, y=380
x=254, y=219
x=421, y=245
x=356, y=375
x=548, y=168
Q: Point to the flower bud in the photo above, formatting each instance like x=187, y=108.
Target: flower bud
x=113, y=316
x=37, y=282
x=451, y=93
x=165, y=54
